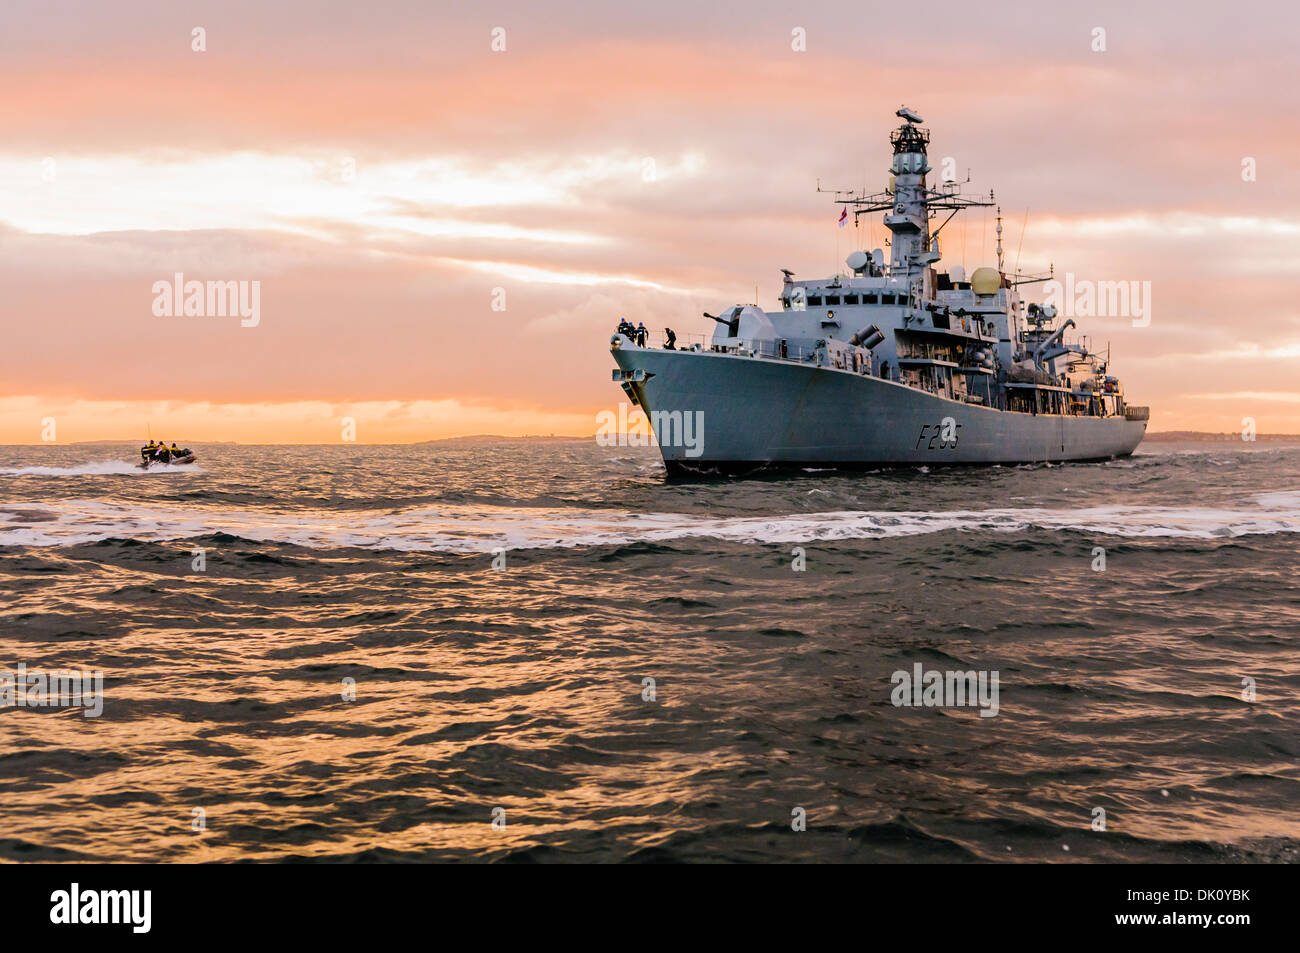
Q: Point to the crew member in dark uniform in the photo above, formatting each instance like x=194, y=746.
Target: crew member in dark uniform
x=670, y=344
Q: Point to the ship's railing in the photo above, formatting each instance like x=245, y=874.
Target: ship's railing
x=766, y=349
x=836, y=354
x=769, y=349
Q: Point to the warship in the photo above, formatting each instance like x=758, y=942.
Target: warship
x=889, y=363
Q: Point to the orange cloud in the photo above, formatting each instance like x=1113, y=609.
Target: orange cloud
x=655, y=172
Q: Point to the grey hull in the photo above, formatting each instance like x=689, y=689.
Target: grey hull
x=756, y=413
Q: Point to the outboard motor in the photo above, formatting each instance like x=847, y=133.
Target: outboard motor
x=868, y=337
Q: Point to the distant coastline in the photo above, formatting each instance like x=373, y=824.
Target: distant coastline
x=138, y=443
x=499, y=438
x=1199, y=436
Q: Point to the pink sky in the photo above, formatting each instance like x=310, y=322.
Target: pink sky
x=380, y=171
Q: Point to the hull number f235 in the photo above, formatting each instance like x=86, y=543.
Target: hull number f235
x=940, y=436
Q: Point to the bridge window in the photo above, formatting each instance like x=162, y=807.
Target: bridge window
x=850, y=299
x=814, y=301
x=832, y=299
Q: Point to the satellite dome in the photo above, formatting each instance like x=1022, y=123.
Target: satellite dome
x=985, y=281
x=857, y=261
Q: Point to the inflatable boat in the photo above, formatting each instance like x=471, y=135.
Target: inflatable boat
x=166, y=459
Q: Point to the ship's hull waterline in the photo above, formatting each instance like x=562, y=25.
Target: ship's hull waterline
x=836, y=418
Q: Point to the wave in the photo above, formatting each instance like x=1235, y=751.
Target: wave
x=482, y=529
x=1279, y=499
x=100, y=468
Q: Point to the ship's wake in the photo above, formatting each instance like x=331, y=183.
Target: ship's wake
x=482, y=529
x=98, y=468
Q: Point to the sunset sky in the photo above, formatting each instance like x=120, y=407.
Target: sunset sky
x=380, y=170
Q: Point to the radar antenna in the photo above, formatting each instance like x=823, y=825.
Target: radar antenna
x=999, y=230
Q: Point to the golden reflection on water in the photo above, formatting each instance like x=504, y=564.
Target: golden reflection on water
x=523, y=690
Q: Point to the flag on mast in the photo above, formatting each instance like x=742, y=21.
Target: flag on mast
x=844, y=218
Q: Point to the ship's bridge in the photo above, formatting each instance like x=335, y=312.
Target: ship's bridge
x=844, y=291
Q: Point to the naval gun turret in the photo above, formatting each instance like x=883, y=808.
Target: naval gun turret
x=731, y=322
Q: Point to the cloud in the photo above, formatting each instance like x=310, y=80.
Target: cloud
x=381, y=181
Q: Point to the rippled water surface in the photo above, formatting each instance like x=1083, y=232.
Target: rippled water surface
x=522, y=689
